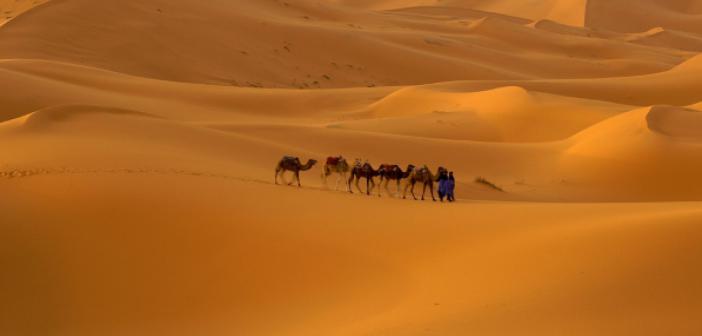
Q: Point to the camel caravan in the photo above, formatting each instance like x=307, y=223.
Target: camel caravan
x=386, y=172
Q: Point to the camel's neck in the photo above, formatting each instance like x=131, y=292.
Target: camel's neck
x=407, y=172
x=306, y=166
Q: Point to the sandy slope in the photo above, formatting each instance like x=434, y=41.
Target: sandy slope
x=685, y=15
x=571, y=12
x=190, y=263
x=289, y=47
x=10, y=9
x=137, y=153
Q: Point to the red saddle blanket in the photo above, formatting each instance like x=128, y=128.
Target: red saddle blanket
x=333, y=160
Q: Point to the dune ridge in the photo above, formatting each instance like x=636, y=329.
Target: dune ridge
x=10, y=9
x=288, y=51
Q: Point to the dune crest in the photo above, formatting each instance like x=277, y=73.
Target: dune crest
x=154, y=39
x=47, y=116
x=11, y=9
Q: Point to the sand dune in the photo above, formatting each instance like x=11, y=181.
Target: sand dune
x=673, y=87
x=566, y=11
x=154, y=39
x=509, y=114
x=10, y=9
x=683, y=15
x=679, y=123
x=544, y=274
x=138, y=141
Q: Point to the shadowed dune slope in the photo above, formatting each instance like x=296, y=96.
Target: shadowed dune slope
x=622, y=16
x=170, y=40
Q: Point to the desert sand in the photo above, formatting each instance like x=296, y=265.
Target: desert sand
x=138, y=141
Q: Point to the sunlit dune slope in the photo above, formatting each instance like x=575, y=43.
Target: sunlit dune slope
x=196, y=263
x=509, y=114
x=10, y=9
x=571, y=12
x=261, y=124
x=677, y=86
x=213, y=42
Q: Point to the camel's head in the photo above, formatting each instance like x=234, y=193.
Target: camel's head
x=439, y=172
x=410, y=167
x=312, y=162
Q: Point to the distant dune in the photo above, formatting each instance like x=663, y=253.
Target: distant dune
x=138, y=141
x=157, y=39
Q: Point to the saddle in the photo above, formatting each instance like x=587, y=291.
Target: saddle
x=290, y=158
x=333, y=161
x=389, y=167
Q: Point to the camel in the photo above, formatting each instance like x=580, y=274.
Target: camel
x=362, y=171
x=424, y=176
x=336, y=165
x=389, y=172
x=293, y=164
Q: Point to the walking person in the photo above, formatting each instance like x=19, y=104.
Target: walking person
x=443, y=185
x=450, y=187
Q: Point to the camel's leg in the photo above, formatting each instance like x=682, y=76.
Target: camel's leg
x=412, y=190
x=358, y=187
x=372, y=185
x=431, y=190
x=285, y=181
x=348, y=184
x=397, y=192
x=424, y=190
x=387, y=189
x=342, y=176
x=404, y=192
x=338, y=178
x=324, y=175
x=297, y=177
x=277, y=172
x=380, y=184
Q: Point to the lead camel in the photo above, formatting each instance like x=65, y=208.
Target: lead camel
x=424, y=176
x=293, y=164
